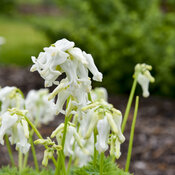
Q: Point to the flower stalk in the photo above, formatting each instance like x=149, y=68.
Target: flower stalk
x=9, y=151
x=132, y=135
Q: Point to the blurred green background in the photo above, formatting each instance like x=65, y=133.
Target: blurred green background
x=118, y=34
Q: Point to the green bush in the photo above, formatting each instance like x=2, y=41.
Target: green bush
x=120, y=34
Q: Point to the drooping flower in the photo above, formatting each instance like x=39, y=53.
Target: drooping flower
x=104, y=117
x=41, y=110
x=14, y=125
x=143, y=75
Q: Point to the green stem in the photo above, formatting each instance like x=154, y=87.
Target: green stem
x=9, y=151
x=129, y=104
x=132, y=135
x=20, y=159
x=26, y=159
x=34, y=153
x=39, y=135
x=95, y=151
x=62, y=157
x=101, y=163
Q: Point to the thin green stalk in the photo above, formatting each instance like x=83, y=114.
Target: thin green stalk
x=101, y=163
x=25, y=159
x=38, y=134
x=57, y=171
x=9, y=151
x=129, y=104
x=34, y=153
x=132, y=135
x=20, y=160
x=95, y=151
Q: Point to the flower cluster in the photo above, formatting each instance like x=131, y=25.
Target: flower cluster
x=14, y=125
x=105, y=118
x=11, y=97
x=41, y=111
x=62, y=57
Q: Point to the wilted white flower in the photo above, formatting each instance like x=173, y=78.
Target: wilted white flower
x=144, y=77
x=41, y=110
x=14, y=125
x=11, y=97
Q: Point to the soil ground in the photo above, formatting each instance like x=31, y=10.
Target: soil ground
x=154, y=141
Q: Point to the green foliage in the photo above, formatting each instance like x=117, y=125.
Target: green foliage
x=7, y=6
x=120, y=34
x=109, y=167
x=27, y=171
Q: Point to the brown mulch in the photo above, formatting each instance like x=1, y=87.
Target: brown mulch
x=154, y=141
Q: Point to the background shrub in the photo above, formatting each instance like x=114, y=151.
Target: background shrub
x=120, y=34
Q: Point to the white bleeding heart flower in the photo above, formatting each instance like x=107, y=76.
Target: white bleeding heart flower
x=63, y=57
x=103, y=128
x=144, y=83
x=144, y=77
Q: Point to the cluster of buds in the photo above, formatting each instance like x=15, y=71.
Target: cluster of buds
x=62, y=57
x=143, y=75
x=51, y=148
x=14, y=125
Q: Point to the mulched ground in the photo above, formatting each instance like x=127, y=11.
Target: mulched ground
x=154, y=141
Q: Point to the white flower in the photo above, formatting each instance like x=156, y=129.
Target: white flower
x=144, y=83
x=80, y=156
x=103, y=133
x=91, y=66
x=7, y=122
x=104, y=117
x=142, y=73
x=14, y=125
x=41, y=110
x=11, y=97
x=63, y=57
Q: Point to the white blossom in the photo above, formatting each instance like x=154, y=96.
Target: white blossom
x=142, y=73
x=41, y=110
x=14, y=125
x=63, y=57
x=103, y=128
x=11, y=97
